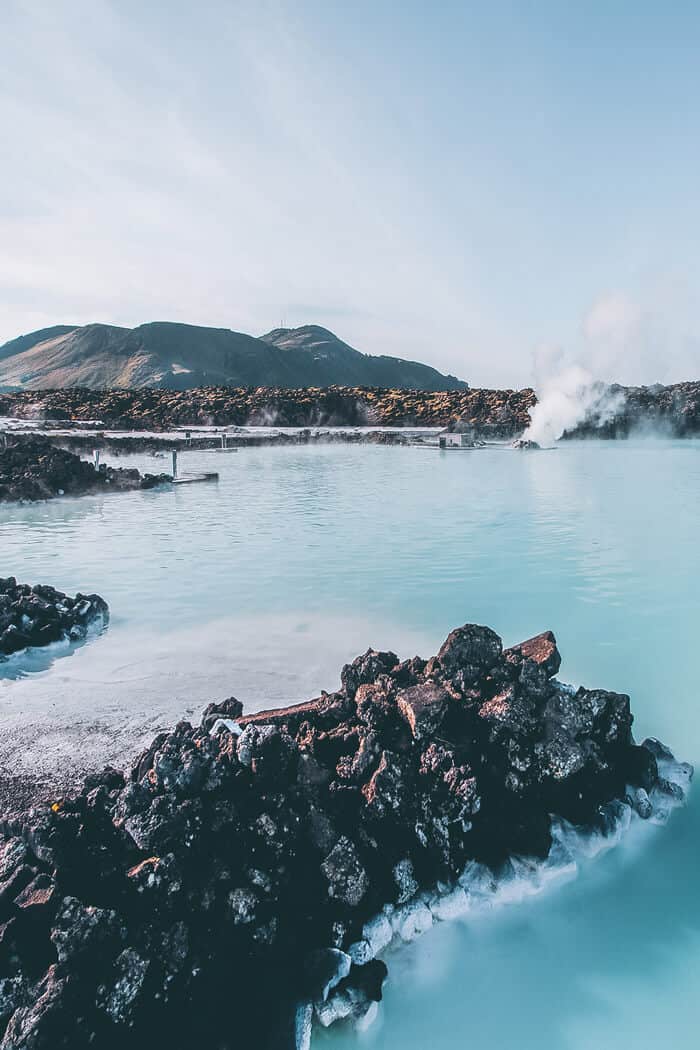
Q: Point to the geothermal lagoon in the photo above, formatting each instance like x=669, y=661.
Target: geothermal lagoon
x=262, y=585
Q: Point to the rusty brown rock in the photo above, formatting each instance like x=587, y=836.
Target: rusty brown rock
x=423, y=706
x=542, y=650
x=37, y=895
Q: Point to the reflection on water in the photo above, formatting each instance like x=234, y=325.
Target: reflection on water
x=32, y=661
x=301, y=556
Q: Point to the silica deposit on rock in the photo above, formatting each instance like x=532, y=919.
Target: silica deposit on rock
x=239, y=884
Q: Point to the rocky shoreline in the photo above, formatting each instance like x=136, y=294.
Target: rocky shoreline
x=131, y=444
x=238, y=884
x=664, y=411
x=32, y=617
x=34, y=468
x=491, y=414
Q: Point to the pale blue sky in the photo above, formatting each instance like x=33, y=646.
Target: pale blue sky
x=480, y=185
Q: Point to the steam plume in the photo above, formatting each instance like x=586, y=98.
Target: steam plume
x=568, y=398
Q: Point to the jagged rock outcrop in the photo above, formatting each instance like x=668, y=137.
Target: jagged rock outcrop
x=39, y=615
x=33, y=468
x=239, y=883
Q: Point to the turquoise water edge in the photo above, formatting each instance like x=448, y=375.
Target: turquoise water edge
x=300, y=557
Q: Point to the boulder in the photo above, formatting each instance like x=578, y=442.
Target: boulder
x=366, y=669
x=469, y=652
x=347, y=878
x=424, y=707
x=541, y=650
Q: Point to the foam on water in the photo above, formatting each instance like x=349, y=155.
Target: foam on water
x=480, y=891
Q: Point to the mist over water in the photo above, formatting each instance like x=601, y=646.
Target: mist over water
x=262, y=585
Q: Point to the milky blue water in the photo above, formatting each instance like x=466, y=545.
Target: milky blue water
x=300, y=557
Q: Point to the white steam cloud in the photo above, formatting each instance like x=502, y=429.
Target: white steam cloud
x=623, y=342
x=568, y=398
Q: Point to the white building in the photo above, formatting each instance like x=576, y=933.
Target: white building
x=449, y=440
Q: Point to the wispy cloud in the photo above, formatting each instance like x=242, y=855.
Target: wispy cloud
x=239, y=162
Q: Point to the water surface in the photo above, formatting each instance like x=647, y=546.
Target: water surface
x=300, y=557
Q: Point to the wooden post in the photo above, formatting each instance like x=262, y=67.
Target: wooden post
x=174, y=462
x=97, y=459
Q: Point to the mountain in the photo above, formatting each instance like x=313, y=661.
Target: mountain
x=26, y=342
x=331, y=357
x=182, y=356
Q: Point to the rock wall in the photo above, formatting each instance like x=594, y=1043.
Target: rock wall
x=239, y=881
x=499, y=413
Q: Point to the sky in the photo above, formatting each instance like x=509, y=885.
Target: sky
x=493, y=188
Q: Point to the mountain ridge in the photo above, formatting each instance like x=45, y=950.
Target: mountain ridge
x=174, y=355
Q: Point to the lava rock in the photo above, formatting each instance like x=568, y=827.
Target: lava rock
x=278, y=853
x=347, y=879
x=36, y=616
x=424, y=707
x=483, y=413
x=34, y=468
x=540, y=650
x=486, y=413
x=468, y=652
